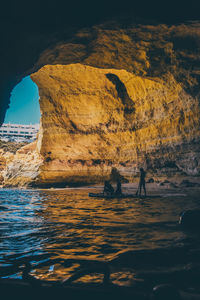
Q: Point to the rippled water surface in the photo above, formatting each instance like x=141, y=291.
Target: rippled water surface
x=38, y=225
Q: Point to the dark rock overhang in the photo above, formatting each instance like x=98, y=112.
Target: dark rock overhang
x=28, y=28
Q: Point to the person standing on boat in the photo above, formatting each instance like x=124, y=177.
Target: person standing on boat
x=108, y=189
x=142, y=182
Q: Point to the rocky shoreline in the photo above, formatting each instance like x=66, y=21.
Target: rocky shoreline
x=21, y=167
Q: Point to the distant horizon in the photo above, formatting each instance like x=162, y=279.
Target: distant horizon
x=24, y=104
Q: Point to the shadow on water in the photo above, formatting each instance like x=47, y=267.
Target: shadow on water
x=49, y=227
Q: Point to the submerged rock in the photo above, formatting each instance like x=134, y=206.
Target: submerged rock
x=190, y=219
x=168, y=256
x=168, y=184
x=187, y=183
x=151, y=180
x=165, y=292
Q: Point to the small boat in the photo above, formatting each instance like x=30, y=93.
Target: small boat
x=122, y=196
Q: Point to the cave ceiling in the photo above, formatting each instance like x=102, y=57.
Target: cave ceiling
x=31, y=29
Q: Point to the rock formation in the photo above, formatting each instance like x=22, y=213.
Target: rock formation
x=2, y=165
x=121, y=95
x=21, y=168
x=94, y=119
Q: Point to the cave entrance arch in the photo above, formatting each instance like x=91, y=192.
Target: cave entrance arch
x=21, y=122
x=24, y=103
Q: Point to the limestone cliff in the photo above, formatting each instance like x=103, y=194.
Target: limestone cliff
x=21, y=168
x=150, y=50
x=94, y=119
x=117, y=94
x=2, y=165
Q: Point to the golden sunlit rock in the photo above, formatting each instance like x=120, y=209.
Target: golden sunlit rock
x=22, y=167
x=94, y=119
x=118, y=95
x=2, y=165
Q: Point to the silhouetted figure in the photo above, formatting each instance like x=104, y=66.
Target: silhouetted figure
x=118, y=191
x=108, y=189
x=142, y=182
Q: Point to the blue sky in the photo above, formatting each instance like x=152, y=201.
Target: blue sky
x=24, y=103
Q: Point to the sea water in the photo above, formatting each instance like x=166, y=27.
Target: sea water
x=48, y=227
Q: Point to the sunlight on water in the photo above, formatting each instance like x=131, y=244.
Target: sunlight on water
x=41, y=226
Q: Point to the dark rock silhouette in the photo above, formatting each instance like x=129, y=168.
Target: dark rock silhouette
x=190, y=219
x=150, y=180
x=168, y=184
x=165, y=292
x=187, y=183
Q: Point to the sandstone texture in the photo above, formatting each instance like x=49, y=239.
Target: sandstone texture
x=21, y=168
x=2, y=165
x=95, y=119
x=28, y=29
x=120, y=94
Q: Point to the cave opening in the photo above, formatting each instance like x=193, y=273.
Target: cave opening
x=24, y=103
x=22, y=118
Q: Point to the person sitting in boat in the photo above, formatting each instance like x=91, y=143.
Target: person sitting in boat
x=108, y=189
x=118, y=191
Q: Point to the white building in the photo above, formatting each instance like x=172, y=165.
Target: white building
x=18, y=132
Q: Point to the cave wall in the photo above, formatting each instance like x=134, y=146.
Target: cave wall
x=140, y=45
x=95, y=119
x=161, y=130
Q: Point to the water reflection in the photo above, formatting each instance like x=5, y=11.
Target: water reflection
x=67, y=224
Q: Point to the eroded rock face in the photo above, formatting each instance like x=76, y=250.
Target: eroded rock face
x=123, y=43
x=2, y=165
x=150, y=120
x=94, y=119
x=21, y=168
